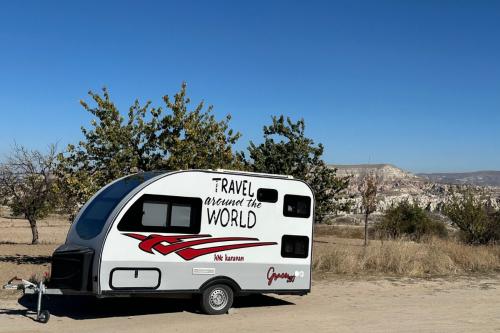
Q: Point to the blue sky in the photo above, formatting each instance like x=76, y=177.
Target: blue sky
x=413, y=83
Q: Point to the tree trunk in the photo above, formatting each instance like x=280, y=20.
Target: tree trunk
x=34, y=231
x=366, y=229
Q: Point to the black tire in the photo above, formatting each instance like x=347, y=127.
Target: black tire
x=44, y=316
x=216, y=299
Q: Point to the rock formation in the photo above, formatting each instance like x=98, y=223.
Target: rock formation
x=396, y=185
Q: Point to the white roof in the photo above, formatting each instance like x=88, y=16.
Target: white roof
x=254, y=173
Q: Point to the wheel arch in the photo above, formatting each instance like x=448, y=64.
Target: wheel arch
x=221, y=280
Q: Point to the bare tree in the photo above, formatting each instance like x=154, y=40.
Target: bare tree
x=27, y=184
x=368, y=189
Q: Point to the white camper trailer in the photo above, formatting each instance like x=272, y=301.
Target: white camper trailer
x=215, y=233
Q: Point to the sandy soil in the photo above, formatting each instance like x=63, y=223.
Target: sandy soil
x=18, y=256
x=335, y=304
x=380, y=305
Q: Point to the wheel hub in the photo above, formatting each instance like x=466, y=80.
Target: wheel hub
x=218, y=299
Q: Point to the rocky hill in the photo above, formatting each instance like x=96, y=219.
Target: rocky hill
x=480, y=178
x=396, y=185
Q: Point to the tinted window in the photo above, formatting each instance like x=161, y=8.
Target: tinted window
x=96, y=213
x=163, y=214
x=294, y=246
x=154, y=214
x=181, y=215
x=267, y=195
x=297, y=206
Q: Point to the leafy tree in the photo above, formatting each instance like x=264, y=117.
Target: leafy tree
x=295, y=154
x=368, y=189
x=148, y=138
x=409, y=219
x=196, y=139
x=27, y=184
x=478, y=222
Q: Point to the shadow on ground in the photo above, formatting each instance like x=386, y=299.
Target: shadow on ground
x=24, y=259
x=86, y=307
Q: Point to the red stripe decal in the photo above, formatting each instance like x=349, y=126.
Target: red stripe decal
x=136, y=236
x=154, y=241
x=190, y=253
x=150, y=241
x=166, y=249
x=183, y=249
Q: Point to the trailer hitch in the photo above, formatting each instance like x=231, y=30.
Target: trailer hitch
x=28, y=287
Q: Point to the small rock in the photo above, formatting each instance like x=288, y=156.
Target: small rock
x=232, y=311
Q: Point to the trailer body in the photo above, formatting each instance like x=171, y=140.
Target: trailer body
x=181, y=232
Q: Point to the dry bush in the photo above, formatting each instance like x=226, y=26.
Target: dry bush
x=478, y=221
x=344, y=220
x=408, y=219
x=339, y=231
x=37, y=277
x=431, y=257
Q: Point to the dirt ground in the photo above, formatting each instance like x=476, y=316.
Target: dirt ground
x=336, y=304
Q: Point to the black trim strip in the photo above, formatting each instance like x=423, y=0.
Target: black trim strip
x=279, y=291
x=198, y=291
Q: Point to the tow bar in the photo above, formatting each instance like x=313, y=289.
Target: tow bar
x=28, y=287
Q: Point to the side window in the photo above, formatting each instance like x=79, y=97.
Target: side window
x=158, y=213
x=181, y=215
x=294, y=246
x=267, y=195
x=297, y=206
x=154, y=214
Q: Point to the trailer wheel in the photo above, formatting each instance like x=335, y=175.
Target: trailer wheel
x=44, y=316
x=217, y=299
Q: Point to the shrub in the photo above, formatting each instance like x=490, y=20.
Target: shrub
x=478, y=222
x=431, y=257
x=36, y=278
x=408, y=219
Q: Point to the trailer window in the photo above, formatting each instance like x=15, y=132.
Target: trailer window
x=181, y=215
x=159, y=213
x=154, y=214
x=297, y=206
x=294, y=246
x=267, y=195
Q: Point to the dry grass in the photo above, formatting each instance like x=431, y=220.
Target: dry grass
x=434, y=257
x=337, y=249
x=340, y=231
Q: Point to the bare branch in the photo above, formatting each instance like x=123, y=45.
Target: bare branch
x=27, y=183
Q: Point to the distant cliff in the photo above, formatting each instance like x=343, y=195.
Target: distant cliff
x=480, y=178
x=431, y=192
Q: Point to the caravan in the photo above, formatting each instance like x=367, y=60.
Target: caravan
x=214, y=233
